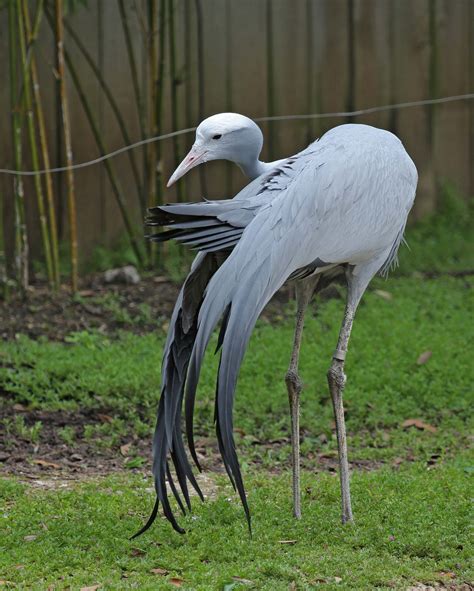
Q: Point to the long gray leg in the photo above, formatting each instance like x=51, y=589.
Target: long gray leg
x=304, y=292
x=357, y=280
x=337, y=381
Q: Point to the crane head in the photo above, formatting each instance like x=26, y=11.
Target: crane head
x=225, y=136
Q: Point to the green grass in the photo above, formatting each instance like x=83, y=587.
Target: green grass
x=412, y=525
x=412, y=512
x=385, y=385
x=443, y=241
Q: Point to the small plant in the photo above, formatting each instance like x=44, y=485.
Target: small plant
x=111, y=304
x=144, y=314
x=17, y=427
x=107, y=434
x=68, y=435
x=87, y=339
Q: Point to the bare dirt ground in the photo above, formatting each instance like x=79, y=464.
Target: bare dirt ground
x=43, y=314
x=53, y=458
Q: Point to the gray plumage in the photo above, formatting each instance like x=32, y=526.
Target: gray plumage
x=340, y=204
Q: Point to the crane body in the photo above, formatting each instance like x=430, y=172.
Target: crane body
x=339, y=206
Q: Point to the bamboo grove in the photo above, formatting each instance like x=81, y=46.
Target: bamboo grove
x=30, y=142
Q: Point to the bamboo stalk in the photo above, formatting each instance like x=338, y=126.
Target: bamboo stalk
x=33, y=147
x=21, y=238
x=152, y=93
x=29, y=49
x=3, y=262
x=133, y=68
x=160, y=91
x=139, y=103
x=200, y=59
x=107, y=163
x=174, y=91
x=44, y=146
x=67, y=141
x=156, y=47
x=113, y=104
x=102, y=150
x=144, y=95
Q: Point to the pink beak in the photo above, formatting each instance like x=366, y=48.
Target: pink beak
x=194, y=157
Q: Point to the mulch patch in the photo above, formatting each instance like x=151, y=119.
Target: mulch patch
x=50, y=456
x=54, y=316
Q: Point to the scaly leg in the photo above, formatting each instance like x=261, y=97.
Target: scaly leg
x=337, y=381
x=357, y=280
x=304, y=292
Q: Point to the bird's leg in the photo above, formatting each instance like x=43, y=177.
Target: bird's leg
x=304, y=291
x=357, y=280
x=337, y=381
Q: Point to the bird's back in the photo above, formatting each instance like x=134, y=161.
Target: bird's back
x=346, y=199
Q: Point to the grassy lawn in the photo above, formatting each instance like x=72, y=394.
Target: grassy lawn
x=411, y=526
x=411, y=486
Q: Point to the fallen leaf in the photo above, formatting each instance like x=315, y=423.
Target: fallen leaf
x=7, y=583
x=423, y=358
x=386, y=295
x=176, y=581
x=159, y=571
x=124, y=449
x=46, y=464
x=85, y=293
x=19, y=407
x=137, y=552
x=90, y=588
x=105, y=418
x=419, y=424
x=337, y=579
x=30, y=538
x=446, y=574
x=287, y=541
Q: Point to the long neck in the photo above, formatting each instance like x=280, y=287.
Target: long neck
x=255, y=167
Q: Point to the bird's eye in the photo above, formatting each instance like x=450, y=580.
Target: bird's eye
x=217, y=136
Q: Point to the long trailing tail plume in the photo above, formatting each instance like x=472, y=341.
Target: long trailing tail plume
x=235, y=293
x=167, y=440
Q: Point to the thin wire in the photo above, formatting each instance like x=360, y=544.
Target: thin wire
x=100, y=158
x=447, y=99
